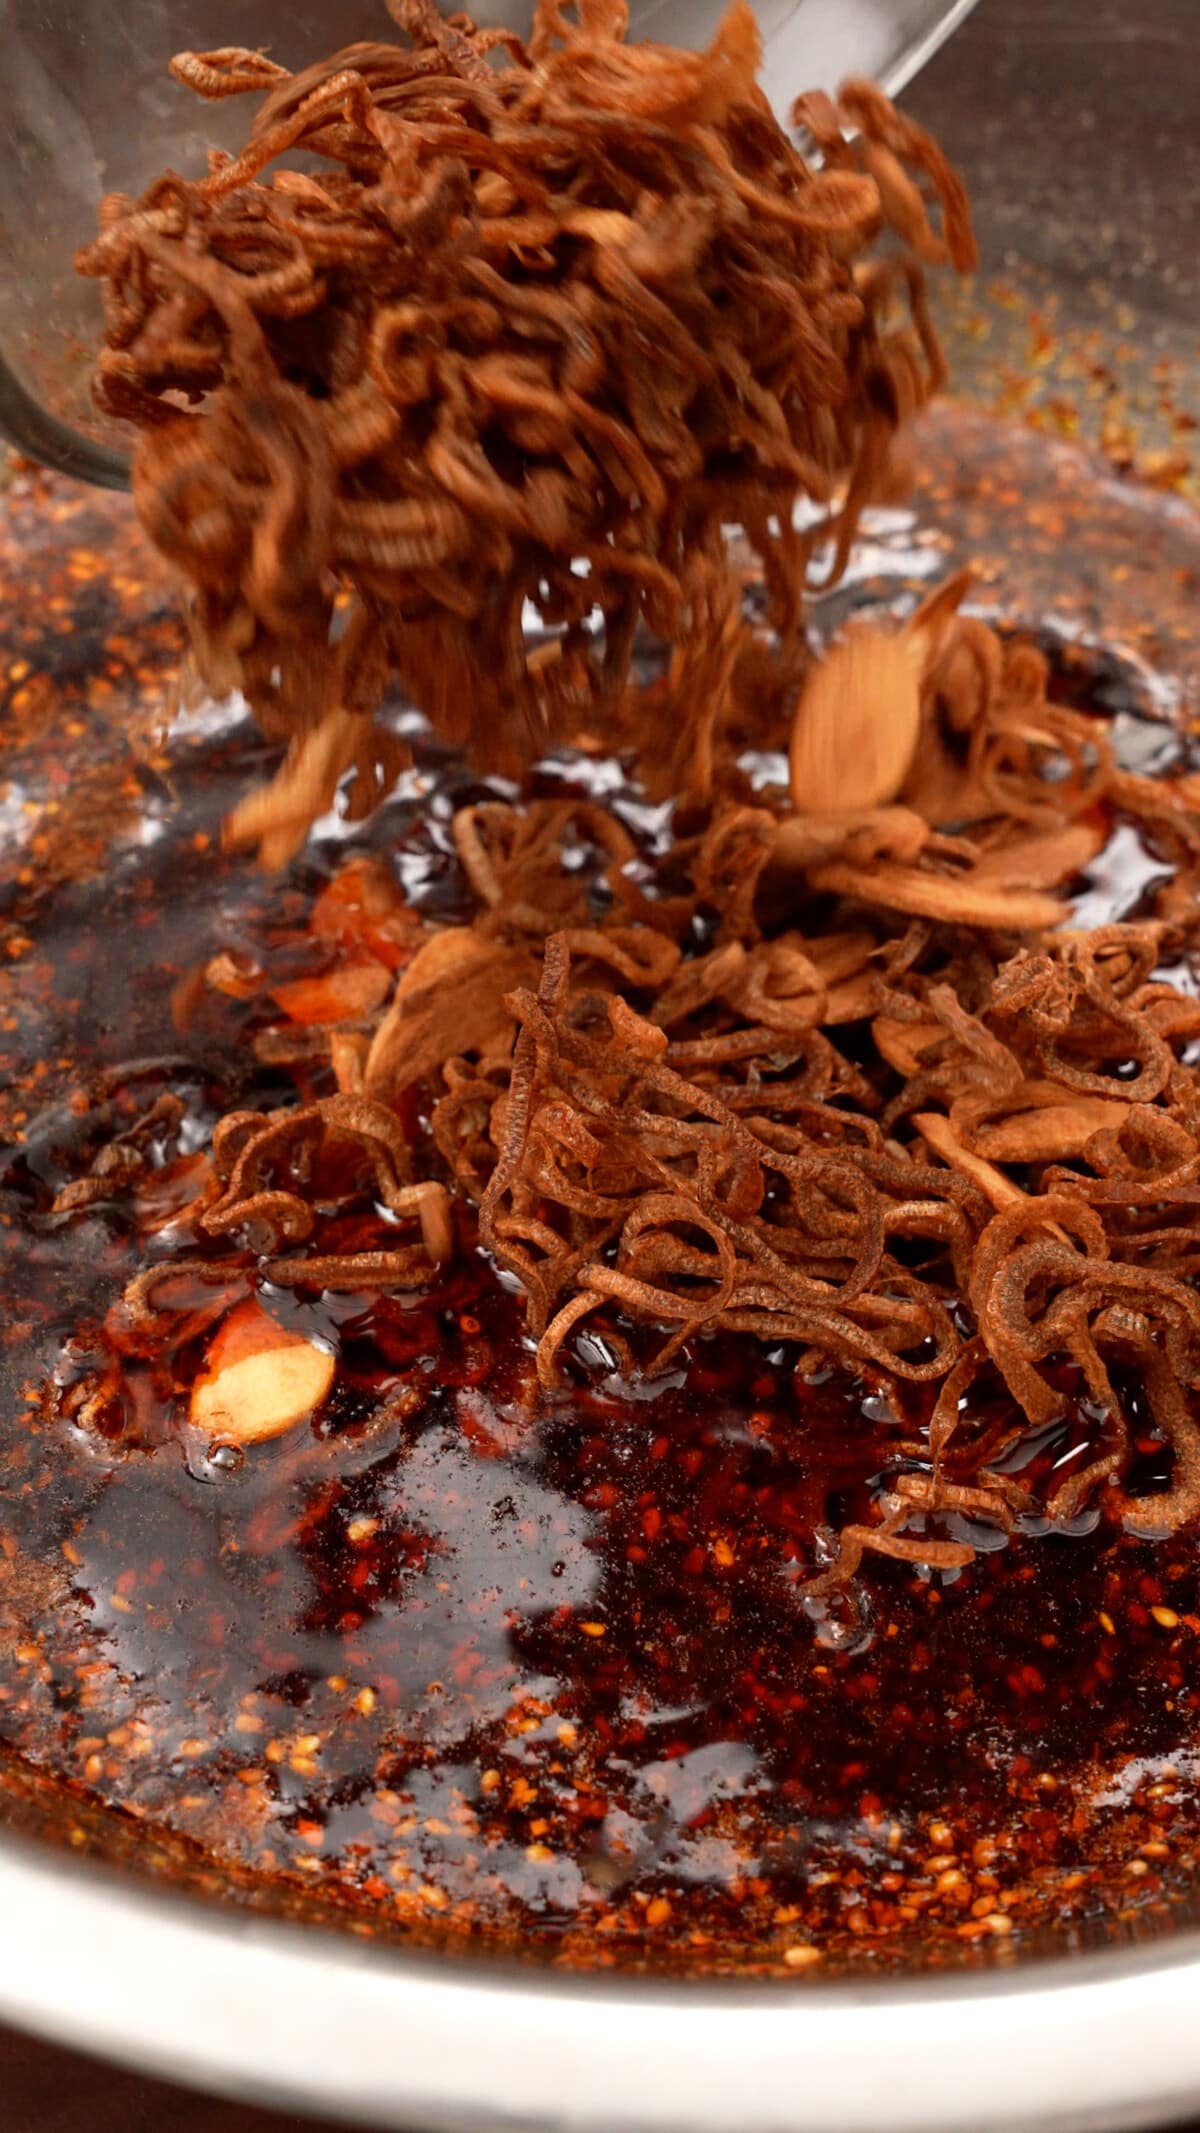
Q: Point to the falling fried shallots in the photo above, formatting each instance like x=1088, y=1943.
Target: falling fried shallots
x=551, y=316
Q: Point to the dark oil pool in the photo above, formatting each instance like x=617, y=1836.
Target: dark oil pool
x=465, y=1666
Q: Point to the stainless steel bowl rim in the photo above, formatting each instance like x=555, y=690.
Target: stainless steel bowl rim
x=316, y=2019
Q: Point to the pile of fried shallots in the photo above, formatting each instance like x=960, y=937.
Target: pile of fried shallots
x=839, y=1076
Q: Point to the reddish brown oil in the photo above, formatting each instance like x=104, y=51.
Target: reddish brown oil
x=473, y=1664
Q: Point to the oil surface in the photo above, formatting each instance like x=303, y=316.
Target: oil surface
x=461, y=1663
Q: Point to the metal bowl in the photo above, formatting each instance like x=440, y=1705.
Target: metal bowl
x=320, y=2023
x=1064, y=2038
